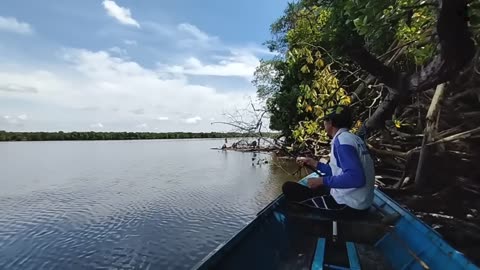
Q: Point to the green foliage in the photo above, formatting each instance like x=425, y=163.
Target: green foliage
x=474, y=20
x=382, y=22
x=303, y=84
x=320, y=90
x=367, y=19
x=416, y=28
x=284, y=114
x=312, y=71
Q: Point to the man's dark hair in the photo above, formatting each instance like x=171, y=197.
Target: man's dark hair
x=340, y=116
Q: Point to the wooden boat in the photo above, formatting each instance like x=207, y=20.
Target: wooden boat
x=284, y=238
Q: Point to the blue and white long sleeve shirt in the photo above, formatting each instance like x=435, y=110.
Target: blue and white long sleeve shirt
x=350, y=175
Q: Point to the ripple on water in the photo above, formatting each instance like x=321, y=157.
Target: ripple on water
x=81, y=231
x=121, y=222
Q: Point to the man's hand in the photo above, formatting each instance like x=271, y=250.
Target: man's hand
x=315, y=182
x=306, y=161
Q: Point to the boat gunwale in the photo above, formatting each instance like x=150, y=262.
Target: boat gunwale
x=230, y=243
x=435, y=238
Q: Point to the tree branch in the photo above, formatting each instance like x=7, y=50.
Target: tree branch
x=456, y=50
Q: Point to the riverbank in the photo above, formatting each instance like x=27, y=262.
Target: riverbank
x=91, y=135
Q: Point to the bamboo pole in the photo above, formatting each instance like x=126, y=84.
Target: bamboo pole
x=429, y=133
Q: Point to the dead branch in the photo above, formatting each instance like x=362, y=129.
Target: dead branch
x=459, y=136
x=387, y=152
x=403, y=134
x=448, y=132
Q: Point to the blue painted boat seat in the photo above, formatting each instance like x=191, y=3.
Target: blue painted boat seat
x=357, y=256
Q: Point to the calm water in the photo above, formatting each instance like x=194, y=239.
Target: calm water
x=125, y=204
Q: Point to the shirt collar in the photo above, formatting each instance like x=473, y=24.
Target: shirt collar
x=338, y=133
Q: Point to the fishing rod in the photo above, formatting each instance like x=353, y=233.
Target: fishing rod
x=284, y=149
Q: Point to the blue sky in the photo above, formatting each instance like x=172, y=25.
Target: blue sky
x=135, y=65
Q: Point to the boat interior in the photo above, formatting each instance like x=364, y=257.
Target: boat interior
x=285, y=236
x=296, y=238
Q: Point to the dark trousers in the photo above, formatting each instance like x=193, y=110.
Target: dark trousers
x=319, y=201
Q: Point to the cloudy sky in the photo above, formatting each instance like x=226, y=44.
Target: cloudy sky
x=134, y=65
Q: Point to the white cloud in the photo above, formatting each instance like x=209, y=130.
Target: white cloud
x=259, y=50
x=96, y=125
x=190, y=36
x=123, y=15
x=160, y=30
x=143, y=125
x=9, y=120
x=193, y=31
x=90, y=79
x=238, y=64
x=88, y=85
x=13, y=120
x=38, y=81
x=130, y=42
x=138, y=111
x=118, y=51
x=193, y=120
x=10, y=24
x=89, y=108
x=17, y=88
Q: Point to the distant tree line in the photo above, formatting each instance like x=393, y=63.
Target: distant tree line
x=73, y=136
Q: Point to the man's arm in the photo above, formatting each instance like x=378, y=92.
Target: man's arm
x=324, y=168
x=352, y=175
x=307, y=161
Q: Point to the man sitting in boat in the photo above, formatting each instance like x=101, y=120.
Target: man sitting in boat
x=346, y=189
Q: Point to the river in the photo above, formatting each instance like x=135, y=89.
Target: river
x=159, y=204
